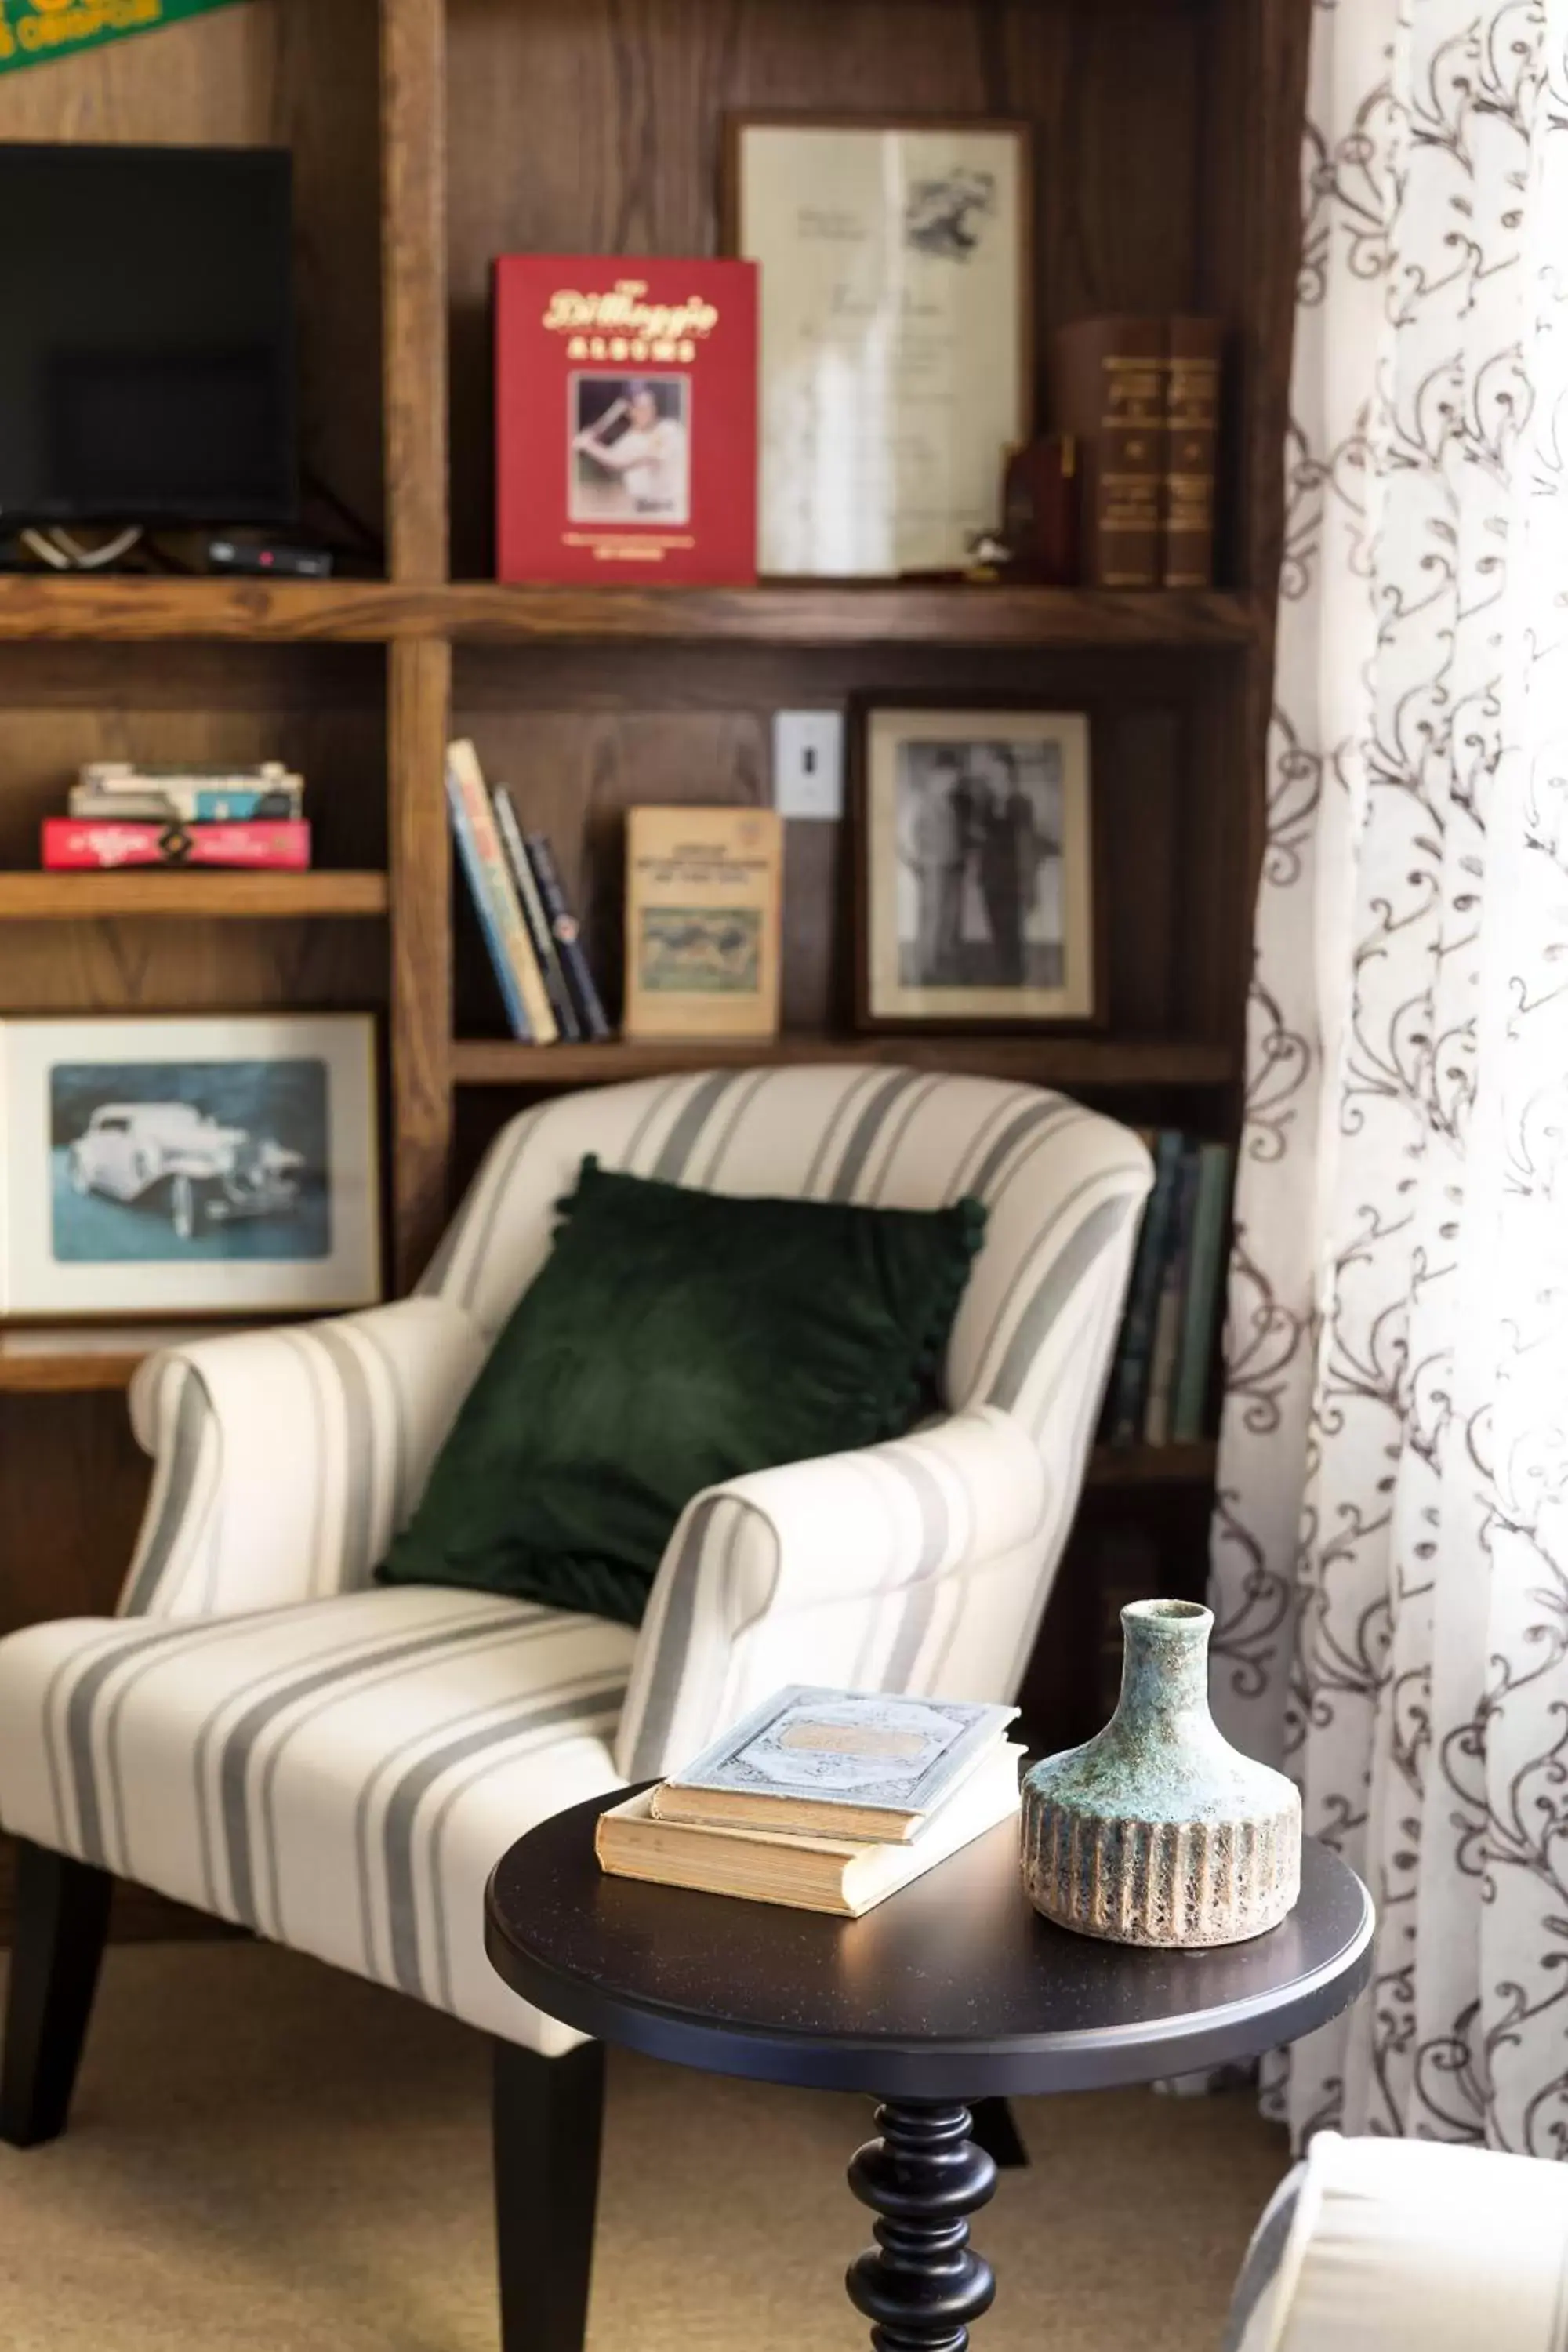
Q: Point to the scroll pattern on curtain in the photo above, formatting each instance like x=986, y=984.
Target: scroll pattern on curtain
x=1390, y=1557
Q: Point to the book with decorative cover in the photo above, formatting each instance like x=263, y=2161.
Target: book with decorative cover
x=500, y=910
x=567, y=934
x=69, y=843
x=1110, y=394
x=1191, y=432
x=845, y=1764
x=546, y=954
x=626, y=419
x=809, y=1872
x=702, y=922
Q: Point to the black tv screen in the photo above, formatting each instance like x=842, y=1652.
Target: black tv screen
x=146, y=336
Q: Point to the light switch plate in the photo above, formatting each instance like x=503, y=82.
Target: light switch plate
x=808, y=763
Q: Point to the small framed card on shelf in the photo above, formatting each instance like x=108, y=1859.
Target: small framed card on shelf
x=974, y=868
x=895, y=351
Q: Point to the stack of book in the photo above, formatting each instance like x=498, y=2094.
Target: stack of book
x=528, y=928
x=119, y=814
x=823, y=1800
x=1158, y=1392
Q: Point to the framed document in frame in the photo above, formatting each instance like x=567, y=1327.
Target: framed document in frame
x=895, y=348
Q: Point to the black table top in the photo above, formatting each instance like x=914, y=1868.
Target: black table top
x=953, y=1989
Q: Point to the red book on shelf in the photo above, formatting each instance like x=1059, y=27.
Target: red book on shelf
x=626, y=419
x=71, y=843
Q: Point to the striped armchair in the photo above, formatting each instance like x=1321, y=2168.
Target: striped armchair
x=263, y=1732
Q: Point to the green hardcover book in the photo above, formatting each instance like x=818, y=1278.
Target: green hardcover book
x=1171, y=1306
x=1206, y=1275
x=1131, y=1381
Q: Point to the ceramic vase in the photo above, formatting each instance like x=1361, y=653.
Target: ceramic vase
x=1158, y=1831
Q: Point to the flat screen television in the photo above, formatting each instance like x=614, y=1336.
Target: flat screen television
x=146, y=336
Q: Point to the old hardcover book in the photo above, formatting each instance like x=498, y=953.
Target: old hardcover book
x=703, y=889
x=1109, y=393
x=845, y=1764
x=1170, y=1304
x=545, y=950
x=67, y=843
x=188, y=804
x=1205, y=1280
x=488, y=859
x=808, y=1872
x=1192, y=440
x=568, y=937
x=626, y=419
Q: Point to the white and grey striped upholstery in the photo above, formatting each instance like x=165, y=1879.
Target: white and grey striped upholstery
x=259, y=1734
x=1400, y=2245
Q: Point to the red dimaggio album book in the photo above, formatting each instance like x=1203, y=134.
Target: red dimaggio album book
x=626, y=419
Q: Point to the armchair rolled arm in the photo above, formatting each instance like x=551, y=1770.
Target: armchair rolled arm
x=1406, y=2245
x=827, y=1570
x=287, y=1458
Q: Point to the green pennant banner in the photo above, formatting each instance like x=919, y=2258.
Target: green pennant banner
x=34, y=31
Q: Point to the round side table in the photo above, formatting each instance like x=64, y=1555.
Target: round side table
x=952, y=1990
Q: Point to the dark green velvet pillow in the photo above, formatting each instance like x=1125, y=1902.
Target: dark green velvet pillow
x=674, y=1339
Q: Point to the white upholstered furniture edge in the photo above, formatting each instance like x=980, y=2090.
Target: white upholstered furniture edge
x=263, y=1732
x=1398, y=2245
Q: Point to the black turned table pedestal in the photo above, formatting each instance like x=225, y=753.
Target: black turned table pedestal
x=951, y=1992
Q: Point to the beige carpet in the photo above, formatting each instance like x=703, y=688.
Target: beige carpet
x=267, y=2155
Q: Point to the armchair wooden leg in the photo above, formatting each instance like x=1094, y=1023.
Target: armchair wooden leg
x=547, y=2118
x=61, y=1920
x=993, y=2127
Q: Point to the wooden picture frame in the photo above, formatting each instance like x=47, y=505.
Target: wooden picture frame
x=876, y=383
x=976, y=897
x=200, y=1164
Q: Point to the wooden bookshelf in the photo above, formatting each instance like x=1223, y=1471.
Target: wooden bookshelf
x=1038, y=1059
x=195, y=893
x=1169, y=184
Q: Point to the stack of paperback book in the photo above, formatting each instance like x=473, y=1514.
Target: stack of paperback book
x=530, y=930
x=1158, y=1392
x=823, y=1800
x=122, y=815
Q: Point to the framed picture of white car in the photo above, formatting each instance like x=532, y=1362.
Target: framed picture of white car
x=222, y=1165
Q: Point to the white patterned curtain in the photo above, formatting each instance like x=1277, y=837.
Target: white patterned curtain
x=1390, y=1569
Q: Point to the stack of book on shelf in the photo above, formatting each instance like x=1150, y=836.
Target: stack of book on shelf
x=823, y=1800
x=528, y=928
x=1158, y=1392
x=119, y=814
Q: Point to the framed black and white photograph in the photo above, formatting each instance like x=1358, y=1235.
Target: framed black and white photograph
x=631, y=455
x=975, y=873
x=223, y=1165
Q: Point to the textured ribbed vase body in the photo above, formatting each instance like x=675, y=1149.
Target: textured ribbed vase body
x=1158, y=1831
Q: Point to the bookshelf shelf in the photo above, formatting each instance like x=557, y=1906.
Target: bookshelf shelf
x=192, y=894
x=798, y=614
x=1153, y=1466
x=1042, y=1058
x=139, y=609
x=79, y=1359
x=816, y=613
